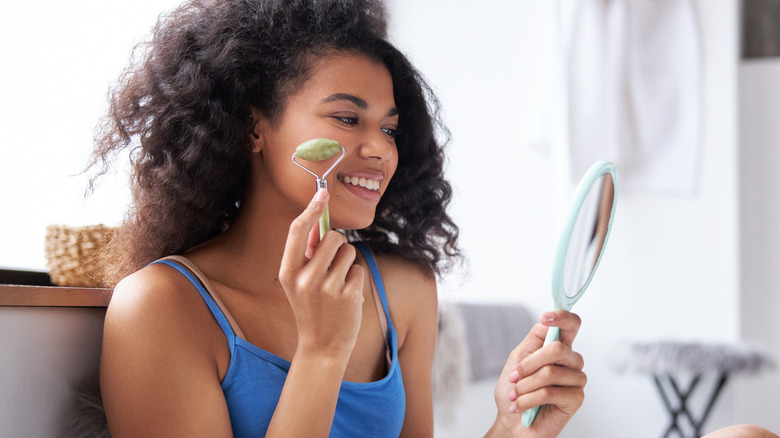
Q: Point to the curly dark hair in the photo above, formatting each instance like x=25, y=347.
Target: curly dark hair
x=182, y=109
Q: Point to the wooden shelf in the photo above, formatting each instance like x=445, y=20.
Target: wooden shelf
x=53, y=296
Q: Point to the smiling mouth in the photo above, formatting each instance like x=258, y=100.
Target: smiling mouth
x=368, y=184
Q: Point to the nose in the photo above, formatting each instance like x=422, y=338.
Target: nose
x=377, y=145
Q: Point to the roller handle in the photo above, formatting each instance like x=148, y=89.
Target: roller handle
x=325, y=218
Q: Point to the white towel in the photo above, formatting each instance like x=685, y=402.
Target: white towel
x=633, y=90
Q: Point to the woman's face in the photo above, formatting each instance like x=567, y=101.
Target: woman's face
x=348, y=98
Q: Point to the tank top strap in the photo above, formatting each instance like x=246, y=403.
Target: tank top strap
x=377, y=283
x=206, y=291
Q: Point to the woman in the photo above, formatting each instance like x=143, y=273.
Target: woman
x=258, y=326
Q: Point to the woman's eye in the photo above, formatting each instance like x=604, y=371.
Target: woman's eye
x=390, y=132
x=351, y=121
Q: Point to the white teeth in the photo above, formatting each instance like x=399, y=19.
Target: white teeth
x=366, y=183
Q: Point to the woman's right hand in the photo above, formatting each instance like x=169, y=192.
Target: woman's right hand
x=323, y=285
x=325, y=291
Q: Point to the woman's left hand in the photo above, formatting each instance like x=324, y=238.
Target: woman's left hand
x=549, y=376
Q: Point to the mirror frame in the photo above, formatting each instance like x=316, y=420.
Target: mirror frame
x=561, y=300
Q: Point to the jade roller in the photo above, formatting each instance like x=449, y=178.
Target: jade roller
x=319, y=149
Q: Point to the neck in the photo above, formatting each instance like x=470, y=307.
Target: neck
x=248, y=255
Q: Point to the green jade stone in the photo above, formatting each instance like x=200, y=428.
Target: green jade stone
x=317, y=149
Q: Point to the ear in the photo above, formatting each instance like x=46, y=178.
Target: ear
x=256, y=129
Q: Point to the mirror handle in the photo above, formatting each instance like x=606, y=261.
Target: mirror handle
x=553, y=334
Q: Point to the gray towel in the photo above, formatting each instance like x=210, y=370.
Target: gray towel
x=492, y=332
x=474, y=343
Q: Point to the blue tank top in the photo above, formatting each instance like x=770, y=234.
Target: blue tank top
x=254, y=379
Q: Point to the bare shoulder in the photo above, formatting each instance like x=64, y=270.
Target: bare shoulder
x=143, y=285
x=159, y=309
x=158, y=338
x=405, y=278
x=157, y=306
x=153, y=295
x=411, y=291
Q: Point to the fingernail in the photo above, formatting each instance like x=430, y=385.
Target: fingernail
x=321, y=195
x=514, y=376
x=512, y=395
x=513, y=408
x=548, y=317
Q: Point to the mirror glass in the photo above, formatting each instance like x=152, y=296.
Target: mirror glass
x=588, y=235
x=585, y=234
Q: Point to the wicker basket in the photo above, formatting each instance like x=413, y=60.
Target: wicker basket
x=72, y=254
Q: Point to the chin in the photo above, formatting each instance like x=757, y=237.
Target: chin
x=353, y=224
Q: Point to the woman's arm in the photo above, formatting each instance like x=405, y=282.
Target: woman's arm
x=416, y=359
x=325, y=291
x=158, y=367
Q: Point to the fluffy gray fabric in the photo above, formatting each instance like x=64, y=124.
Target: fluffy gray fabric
x=451, y=369
x=90, y=419
x=674, y=357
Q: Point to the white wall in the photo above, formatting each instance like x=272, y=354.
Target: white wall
x=58, y=61
x=672, y=268
x=759, y=105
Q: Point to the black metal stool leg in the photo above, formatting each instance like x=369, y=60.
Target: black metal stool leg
x=682, y=400
x=673, y=426
x=718, y=387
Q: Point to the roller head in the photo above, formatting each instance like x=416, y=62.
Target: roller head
x=317, y=149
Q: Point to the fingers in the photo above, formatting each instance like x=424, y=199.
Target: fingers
x=564, y=398
x=550, y=376
x=556, y=353
x=568, y=322
x=309, y=262
x=334, y=261
x=355, y=278
x=565, y=373
x=531, y=356
x=297, y=238
x=313, y=242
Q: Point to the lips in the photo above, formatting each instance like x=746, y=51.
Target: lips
x=363, y=184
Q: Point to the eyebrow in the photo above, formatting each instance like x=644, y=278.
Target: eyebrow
x=358, y=102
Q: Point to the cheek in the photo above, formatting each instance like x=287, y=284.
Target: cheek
x=279, y=175
x=278, y=165
x=392, y=166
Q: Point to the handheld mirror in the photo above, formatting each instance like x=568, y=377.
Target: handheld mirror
x=581, y=244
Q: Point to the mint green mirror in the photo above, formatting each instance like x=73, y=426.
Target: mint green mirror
x=582, y=243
